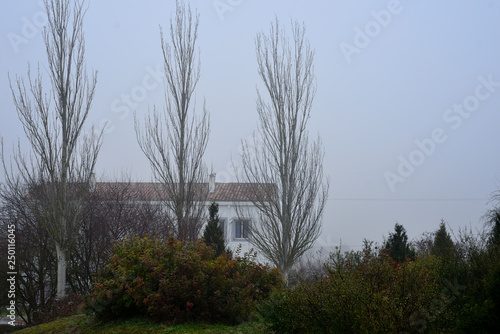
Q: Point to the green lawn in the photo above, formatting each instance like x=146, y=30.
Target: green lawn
x=80, y=324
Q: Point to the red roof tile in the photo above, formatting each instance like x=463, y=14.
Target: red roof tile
x=224, y=192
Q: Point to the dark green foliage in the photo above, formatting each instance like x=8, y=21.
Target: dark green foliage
x=398, y=244
x=493, y=292
x=495, y=231
x=471, y=276
x=377, y=295
x=173, y=281
x=369, y=292
x=213, y=235
x=443, y=245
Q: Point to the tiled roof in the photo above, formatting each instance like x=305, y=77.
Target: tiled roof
x=239, y=192
x=224, y=192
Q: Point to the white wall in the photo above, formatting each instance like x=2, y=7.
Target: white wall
x=229, y=213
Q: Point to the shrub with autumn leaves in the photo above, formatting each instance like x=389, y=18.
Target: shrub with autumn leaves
x=174, y=281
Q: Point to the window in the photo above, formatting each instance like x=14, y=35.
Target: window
x=242, y=229
x=222, y=226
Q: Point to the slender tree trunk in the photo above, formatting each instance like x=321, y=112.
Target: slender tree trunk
x=62, y=264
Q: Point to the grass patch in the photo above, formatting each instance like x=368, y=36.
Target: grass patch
x=81, y=324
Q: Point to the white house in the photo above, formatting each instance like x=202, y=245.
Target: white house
x=232, y=198
x=236, y=211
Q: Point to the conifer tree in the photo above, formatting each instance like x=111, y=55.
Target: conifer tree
x=399, y=246
x=213, y=234
x=443, y=245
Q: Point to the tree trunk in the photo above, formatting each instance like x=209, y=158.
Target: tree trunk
x=62, y=263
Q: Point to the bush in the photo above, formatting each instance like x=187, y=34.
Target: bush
x=375, y=295
x=70, y=305
x=474, y=272
x=176, y=281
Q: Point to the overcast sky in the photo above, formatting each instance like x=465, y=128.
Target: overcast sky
x=407, y=102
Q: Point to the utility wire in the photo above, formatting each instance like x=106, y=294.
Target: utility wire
x=410, y=199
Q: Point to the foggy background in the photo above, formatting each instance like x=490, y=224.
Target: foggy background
x=406, y=91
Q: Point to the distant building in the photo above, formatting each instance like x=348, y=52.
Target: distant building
x=236, y=209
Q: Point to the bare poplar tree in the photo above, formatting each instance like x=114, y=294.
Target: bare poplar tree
x=174, y=141
x=290, y=212
x=54, y=178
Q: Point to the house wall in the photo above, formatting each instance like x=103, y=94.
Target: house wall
x=228, y=213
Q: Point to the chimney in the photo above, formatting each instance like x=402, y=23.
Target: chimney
x=92, y=182
x=211, y=184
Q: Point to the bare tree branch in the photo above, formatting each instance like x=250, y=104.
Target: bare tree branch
x=174, y=142
x=114, y=211
x=290, y=214
x=63, y=159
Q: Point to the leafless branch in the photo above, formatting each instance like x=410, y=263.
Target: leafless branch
x=174, y=142
x=290, y=214
x=63, y=159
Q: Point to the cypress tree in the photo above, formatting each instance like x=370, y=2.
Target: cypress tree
x=213, y=234
x=399, y=246
x=443, y=245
